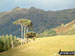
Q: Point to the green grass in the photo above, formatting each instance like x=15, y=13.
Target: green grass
x=43, y=46
x=71, y=32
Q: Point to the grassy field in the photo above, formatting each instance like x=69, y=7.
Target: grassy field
x=46, y=46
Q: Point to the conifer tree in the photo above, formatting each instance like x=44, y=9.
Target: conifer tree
x=11, y=41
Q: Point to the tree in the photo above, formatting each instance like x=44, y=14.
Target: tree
x=20, y=22
x=11, y=41
x=25, y=25
x=7, y=42
x=31, y=35
x=3, y=39
x=1, y=46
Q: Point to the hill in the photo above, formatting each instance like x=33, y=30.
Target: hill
x=63, y=29
x=68, y=28
x=48, y=46
x=42, y=20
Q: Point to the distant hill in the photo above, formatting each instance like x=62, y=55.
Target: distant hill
x=42, y=20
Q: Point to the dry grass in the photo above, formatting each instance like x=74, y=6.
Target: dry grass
x=47, y=46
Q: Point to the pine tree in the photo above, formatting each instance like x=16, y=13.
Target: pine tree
x=7, y=42
x=11, y=41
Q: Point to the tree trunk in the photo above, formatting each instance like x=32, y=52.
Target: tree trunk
x=12, y=45
x=27, y=29
x=21, y=34
x=24, y=33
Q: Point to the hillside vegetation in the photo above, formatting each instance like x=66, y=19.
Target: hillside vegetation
x=42, y=20
x=68, y=28
x=48, y=46
x=7, y=42
x=63, y=29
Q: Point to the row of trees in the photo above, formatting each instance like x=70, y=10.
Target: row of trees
x=26, y=25
x=7, y=42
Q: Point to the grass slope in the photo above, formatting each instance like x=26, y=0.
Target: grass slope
x=48, y=46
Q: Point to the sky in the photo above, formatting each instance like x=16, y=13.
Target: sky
x=53, y=5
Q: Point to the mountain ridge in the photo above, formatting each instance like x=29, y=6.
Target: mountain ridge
x=41, y=19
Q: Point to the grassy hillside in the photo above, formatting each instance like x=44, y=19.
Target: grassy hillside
x=42, y=20
x=68, y=28
x=43, y=46
x=63, y=29
x=71, y=32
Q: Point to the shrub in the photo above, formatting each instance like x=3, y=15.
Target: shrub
x=7, y=42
